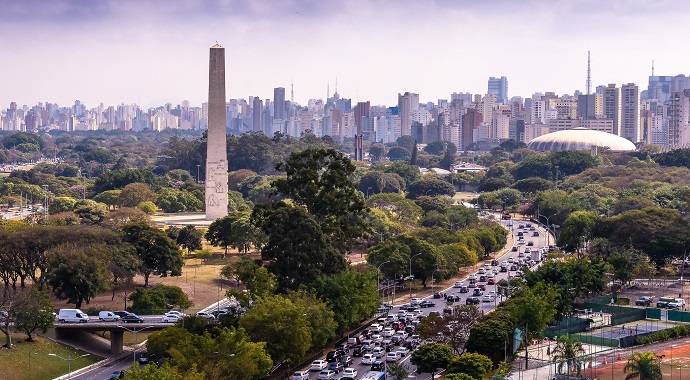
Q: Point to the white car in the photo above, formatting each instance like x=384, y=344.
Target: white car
x=375, y=328
x=367, y=359
x=170, y=318
x=318, y=365
x=458, y=284
x=176, y=313
x=350, y=372
x=378, y=352
x=204, y=314
x=472, y=277
x=326, y=375
x=403, y=351
x=388, y=332
x=481, y=271
x=488, y=298
x=300, y=375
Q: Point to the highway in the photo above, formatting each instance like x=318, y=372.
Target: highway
x=512, y=225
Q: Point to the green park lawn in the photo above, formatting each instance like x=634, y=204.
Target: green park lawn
x=30, y=360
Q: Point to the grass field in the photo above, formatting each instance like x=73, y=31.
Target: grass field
x=30, y=360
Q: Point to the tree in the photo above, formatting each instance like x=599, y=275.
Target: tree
x=438, y=148
x=76, y=273
x=322, y=181
x=320, y=317
x=432, y=356
x=398, y=371
x=61, y=204
x=158, y=299
x=473, y=364
x=90, y=212
x=134, y=193
x=414, y=153
x=643, y=366
x=577, y=229
x=158, y=253
x=568, y=351
x=458, y=376
x=408, y=172
x=108, y=197
x=352, y=296
x=172, y=200
x=281, y=324
x=298, y=250
x=430, y=187
x=490, y=334
x=532, y=185
x=164, y=372
x=123, y=264
x=623, y=264
x=396, y=207
x=398, y=153
x=375, y=182
x=556, y=205
x=399, y=250
x=32, y=311
x=377, y=151
x=189, y=238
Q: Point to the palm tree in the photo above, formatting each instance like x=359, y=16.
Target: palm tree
x=643, y=366
x=568, y=351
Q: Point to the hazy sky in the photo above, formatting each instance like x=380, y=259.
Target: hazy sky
x=155, y=51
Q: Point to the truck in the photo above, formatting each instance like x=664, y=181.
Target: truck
x=535, y=255
x=505, y=215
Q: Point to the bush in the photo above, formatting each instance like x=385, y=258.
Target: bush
x=93, y=310
x=660, y=336
x=623, y=301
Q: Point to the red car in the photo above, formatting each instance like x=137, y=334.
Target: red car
x=481, y=286
x=491, y=281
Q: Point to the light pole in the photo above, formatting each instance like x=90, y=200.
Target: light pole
x=135, y=331
x=197, y=173
x=410, y=277
x=548, y=230
x=69, y=360
x=45, y=198
x=378, y=270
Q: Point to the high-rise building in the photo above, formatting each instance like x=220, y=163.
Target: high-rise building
x=279, y=103
x=257, y=113
x=499, y=87
x=589, y=106
x=612, y=105
x=630, y=112
x=470, y=121
x=361, y=110
x=679, y=119
x=407, y=104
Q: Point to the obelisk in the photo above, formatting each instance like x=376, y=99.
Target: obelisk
x=216, y=184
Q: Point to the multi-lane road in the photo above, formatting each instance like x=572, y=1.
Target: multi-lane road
x=440, y=303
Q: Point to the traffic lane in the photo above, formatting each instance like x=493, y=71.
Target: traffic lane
x=123, y=363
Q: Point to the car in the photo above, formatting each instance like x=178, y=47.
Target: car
x=458, y=284
x=378, y=366
x=121, y=313
x=472, y=277
x=117, y=375
x=494, y=263
x=368, y=359
x=477, y=292
x=481, y=271
x=511, y=260
x=318, y=365
x=205, y=315
x=535, y=234
x=392, y=356
x=107, y=316
x=482, y=278
x=644, y=301
x=387, y=332
x=336, y=367
x=504, y=269
x=350, y=372
x=357, y=351
x=179, y=314
x=464, y=289
x=378, y=352
x=481, y=287
x=346, y=360
x=300, y=375
x=170, y=318
x=218, y=313
x=472, y=301
x=514, y=249
x=326, y=375
x=427, y=303
x=491, y=281
x=473, y=284
x=333, y=356
x=132, y=318
x=438, y=295
x=488, y=298
x=143, y=359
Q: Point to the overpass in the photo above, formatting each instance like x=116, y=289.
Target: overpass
x=116, y=329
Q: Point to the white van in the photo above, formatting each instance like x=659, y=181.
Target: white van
x=72, y=315
x=108, y=316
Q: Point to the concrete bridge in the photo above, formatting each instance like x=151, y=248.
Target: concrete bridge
x=116, y=329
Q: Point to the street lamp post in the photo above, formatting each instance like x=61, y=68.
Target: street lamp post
x=410, y=278
x=548, y=229
x=378, y=270
x=134, y=331
x=69, y=360
x=372, y=191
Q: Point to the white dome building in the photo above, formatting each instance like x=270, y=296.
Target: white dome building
x=581, y=139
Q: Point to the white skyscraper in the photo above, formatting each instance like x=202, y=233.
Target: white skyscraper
x=630, y=112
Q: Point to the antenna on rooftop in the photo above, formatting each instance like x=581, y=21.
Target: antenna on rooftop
x=589, y=75
x=652, y=67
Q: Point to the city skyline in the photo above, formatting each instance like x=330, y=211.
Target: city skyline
x=153, y=52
